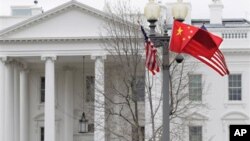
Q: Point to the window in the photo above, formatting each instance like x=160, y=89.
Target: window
x=91, y=127
x=90, y=88
x=195, y=133
x=42, y=89
x=140, y=88
x=195, y=87
x=143, y=132
x=234, y=87
x=134, y=133
x=42, y=134
x=21, y=12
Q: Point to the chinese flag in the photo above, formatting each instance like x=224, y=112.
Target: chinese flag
x=200, y=44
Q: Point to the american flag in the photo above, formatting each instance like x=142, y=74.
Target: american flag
x=217, y=61
x=151, y=54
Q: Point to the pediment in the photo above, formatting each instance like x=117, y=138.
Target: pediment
x=235, y=116
x=71, y=19
x=197, y=116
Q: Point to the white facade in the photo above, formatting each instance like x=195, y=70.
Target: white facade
x=52, y=44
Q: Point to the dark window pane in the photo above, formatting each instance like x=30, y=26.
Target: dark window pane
x=134, y=133
x=90, y=88
x=195, y=87
x=42, y=89
x=234, y=87
x=140, y=88
x=42, y=134
x=91, y=127
x=195, y=133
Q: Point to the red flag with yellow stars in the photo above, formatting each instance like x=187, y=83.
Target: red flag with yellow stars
x=200, y=44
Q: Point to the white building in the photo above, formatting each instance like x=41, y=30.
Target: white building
x=46, y=50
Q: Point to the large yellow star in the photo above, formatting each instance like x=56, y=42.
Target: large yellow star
x=179, y=31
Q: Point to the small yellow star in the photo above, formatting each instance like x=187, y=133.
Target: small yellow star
x=179, y=31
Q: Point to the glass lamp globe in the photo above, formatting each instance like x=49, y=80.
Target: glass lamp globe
x=152, y=10
x=179, y=10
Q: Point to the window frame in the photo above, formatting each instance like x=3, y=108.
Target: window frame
x=231, y=88
x=90, y=88
x=91, y=128
x=42, y=90
x=140, y=85
x=42, y=133
x=197, y=88
x=141, y=128
x=198, y=135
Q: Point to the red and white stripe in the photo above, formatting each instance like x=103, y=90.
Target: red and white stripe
x=151, y=57
x=217, y=62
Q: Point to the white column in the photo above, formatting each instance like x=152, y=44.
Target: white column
x=9, y=103
x=16, y=102
x=99, y=113
x=2, y=61
x=24, y=106
x=49, y=98
x=68, y=105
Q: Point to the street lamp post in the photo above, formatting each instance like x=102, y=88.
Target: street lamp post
x=152, y=13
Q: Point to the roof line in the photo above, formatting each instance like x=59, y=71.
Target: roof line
x=52, y=12
x=60, y=39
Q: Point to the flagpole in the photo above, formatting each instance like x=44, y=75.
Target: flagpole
x=163, y=41
x=152, y=13
x=165, y=91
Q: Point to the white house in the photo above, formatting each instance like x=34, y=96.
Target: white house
x=227, y=98
x=60, y=50
x=53, y=45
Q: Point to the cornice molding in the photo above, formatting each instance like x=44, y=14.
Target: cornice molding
x=98, y=56
x=49, y=39
x=58, y=39
x=242, y=51
x=46, y=57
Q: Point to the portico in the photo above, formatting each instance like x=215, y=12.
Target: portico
x=40, y=48
x=63, y=103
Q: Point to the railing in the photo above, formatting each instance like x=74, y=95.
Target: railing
x=234, y=35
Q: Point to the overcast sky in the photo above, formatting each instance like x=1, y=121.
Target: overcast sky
x=232, y=8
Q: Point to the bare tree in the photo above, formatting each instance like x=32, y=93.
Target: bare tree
x=123, y=79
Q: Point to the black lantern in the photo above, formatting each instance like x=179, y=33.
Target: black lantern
x=83, y=124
